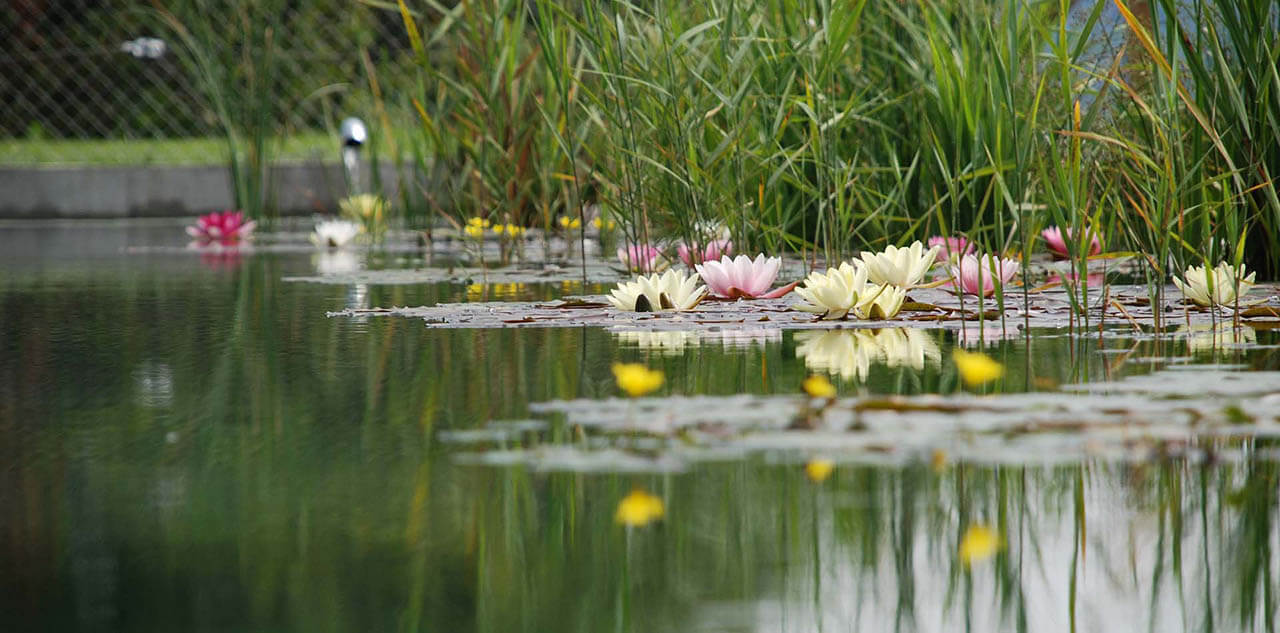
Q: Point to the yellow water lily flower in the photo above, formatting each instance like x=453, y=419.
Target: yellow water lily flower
x=478, y=221
x=636, y=379
x=902, y=267
x=978, y=544
x=603, y=224
x=567, y=222
x=1220, y=286
x=819, y=469
x=976, y=368
x=817, y=386
x=474, y=231
x=512, y=230
x=672, y=290
x=639, y=509
x=366, y=206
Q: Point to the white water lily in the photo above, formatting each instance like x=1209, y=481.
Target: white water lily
x=334, y=233
x=832, y=293
x=837, y=292
x=880, y=302
x=1220, y=286
x=902, y=267
x=672, y=290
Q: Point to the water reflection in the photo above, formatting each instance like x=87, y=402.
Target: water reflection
x=1208, y=337
x=336, y=261
x=662, y=341
x=851, y=353
x=185, y=450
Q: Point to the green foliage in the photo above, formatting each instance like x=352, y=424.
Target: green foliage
x=837, y=125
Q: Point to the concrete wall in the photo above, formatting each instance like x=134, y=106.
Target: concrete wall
x=153, y=191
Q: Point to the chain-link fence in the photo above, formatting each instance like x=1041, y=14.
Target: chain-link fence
x=79, y=74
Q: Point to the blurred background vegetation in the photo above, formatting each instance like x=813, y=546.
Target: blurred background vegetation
x=818, y=127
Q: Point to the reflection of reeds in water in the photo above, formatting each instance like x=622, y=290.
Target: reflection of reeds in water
x=850, y=353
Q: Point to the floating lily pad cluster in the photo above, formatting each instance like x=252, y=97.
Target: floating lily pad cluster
x=1137, y=418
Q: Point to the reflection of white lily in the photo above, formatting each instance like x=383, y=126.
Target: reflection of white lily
x=1215, y=287
x=743, y=338
x=1207, y=337
x=908, y=347
x=334, y=233
x=665, y=341
x=845, y=353
x=850, y=353
x=335, y=262
x=902, y=267
x=837, y=292
x=672, y=290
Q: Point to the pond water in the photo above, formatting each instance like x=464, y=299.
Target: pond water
x=188, y=443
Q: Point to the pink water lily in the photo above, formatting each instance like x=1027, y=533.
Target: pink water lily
x=224, y=227
x=977, y=276
x=742, y=277
x=1056, y=239
x=692, y=254
x=959, y=246
x=641, y=258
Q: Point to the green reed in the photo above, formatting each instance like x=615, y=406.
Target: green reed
x=830, y=127
x=236, y=62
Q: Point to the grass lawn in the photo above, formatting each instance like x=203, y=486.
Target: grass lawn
x=187, y=151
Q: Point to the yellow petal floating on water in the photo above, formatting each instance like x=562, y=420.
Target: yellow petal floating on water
x=819, y=387
x=976, y=368
x=636, y=379
x=979, y=543
x=638, y=509
x=819, y=469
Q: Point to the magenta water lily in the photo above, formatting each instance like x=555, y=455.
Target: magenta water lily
x=223, y=227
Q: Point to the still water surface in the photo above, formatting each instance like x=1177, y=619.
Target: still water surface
x=188, y=443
